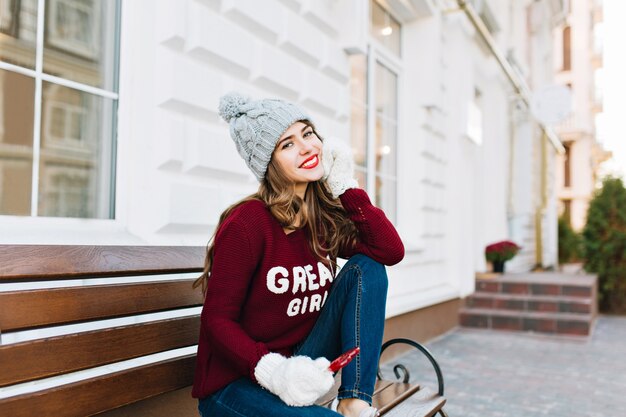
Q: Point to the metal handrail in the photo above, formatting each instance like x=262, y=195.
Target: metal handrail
x=398, y=367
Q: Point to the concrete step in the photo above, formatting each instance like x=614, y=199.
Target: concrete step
x=543, y=302
x=531, y=302
x=549, y=284
x=540, y=322
x=568, y=290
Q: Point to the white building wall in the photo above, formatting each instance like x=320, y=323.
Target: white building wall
x=476, y=220
x=177, y=168
x=422, y=278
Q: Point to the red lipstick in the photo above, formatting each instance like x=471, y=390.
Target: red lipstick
x=308, y=160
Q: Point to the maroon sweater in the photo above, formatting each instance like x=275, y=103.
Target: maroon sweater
x=266, y=288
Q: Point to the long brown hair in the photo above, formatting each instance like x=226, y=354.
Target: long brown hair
x=325, y=218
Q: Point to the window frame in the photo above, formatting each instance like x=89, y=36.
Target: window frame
x=379, y=53
x=377, y=56
x=399, y=52
x=35, y=228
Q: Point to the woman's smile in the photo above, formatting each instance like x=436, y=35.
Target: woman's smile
x=310, y=162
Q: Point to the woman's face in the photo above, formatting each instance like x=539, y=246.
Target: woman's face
x=299, y=155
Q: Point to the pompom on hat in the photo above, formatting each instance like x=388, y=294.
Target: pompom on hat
x=256, y=126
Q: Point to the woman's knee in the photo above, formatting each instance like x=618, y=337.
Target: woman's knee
x=373, y=273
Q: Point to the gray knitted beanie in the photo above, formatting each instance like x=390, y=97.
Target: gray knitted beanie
x=256, y=126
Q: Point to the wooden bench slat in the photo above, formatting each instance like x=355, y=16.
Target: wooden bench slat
x=424, y=403
x=74, y=304
x=389, y=388
x=41, y=358
x=394, y=394
x=103, y=393
x=177, y=403
x=47, y=262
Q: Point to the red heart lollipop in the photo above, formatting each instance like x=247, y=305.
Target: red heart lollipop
x=344, y=359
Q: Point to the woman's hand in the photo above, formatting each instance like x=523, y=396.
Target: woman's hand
x=338, y=167
x=298, y=381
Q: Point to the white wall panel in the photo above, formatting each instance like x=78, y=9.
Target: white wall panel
x=292, y=4
x=264, y=19
x=210, y=151
x=324, y=14
x=186, y=86
x=302, y=39
x=335, y=62
x=219, y=42
x=192, y=207
x=277, y=71
x=171, y=23
x=418, y=285
x=322, y=92
x=168, y=141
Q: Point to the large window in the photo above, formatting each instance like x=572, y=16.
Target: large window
x=598, y=38
x=598, y=90
x=384, y=28
x=474, y=128
x=374, y=112
x=567, y=165
x=385, y=146
x=567, y=48
x=58, y=98
x=359, y=113
x=567, y=211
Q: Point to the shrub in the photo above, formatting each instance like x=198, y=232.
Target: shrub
x=604, y=238
x=570, y=243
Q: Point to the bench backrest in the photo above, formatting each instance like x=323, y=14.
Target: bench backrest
x=85, y=329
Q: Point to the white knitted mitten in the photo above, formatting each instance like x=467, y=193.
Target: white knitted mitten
x=338, y=166
x=298, y=381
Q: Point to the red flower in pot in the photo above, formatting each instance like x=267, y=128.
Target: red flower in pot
x=500, y=252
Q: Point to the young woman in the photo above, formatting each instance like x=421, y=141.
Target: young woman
x=275, y=310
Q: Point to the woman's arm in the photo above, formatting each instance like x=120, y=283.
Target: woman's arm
x=378, y=238
x=234, y=263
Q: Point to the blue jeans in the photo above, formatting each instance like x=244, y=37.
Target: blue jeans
x=354, y=315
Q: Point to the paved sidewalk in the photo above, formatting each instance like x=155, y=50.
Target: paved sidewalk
x=504, y=374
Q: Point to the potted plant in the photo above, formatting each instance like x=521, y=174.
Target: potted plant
x=500, y=252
